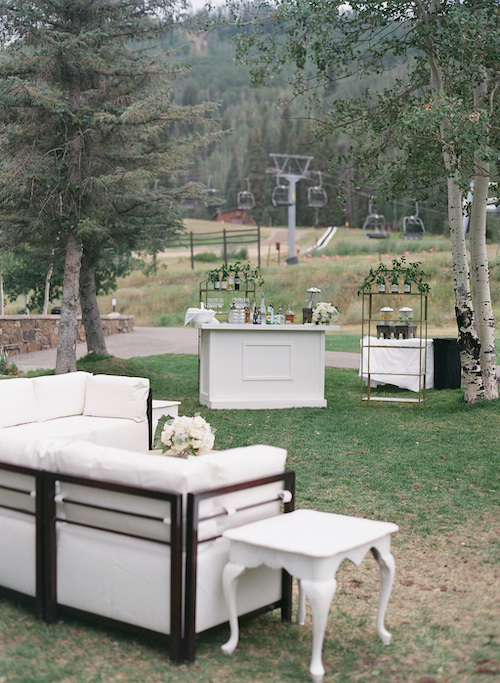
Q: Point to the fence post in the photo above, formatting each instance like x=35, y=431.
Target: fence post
x=225, y=246
x=191, y=242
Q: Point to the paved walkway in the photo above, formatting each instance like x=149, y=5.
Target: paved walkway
x=153, y=341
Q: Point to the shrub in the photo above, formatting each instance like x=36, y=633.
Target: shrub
x=206, y=257
x=6, y=366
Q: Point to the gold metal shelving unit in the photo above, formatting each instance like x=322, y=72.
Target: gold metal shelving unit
x=372, y=302
x=220, y=299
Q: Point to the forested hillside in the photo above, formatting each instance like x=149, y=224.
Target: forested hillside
x=262, y=120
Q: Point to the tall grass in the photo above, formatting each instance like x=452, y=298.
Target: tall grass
x=163, y=298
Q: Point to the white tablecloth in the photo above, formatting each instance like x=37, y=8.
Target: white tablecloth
x=400, y=358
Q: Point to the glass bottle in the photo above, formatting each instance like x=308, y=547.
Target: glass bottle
x=262, y=311
x=270, y=314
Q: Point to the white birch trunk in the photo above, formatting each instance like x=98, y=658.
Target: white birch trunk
x=468, y=341
x=46, y=297
x=480, y=278
x=2, y=298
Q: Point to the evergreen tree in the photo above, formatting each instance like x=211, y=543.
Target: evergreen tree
x=91, y=147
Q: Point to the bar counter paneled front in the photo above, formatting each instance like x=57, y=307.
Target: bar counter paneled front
x=262, y=366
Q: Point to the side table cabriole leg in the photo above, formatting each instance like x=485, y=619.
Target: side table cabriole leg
x=320, y=594
x=387, y=566
x=230, y=576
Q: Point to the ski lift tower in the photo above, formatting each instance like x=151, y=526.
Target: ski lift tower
x=292, y=168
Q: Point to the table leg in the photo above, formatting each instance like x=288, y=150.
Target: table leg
x=387, y=566
x=320, y=594
x=230, y=576
x=301, y=611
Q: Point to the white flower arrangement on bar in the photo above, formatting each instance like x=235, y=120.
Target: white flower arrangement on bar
x=185, y=436
x=324, y=313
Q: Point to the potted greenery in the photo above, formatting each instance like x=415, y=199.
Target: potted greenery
x=252, y=274
x=381, y=273
x=213, y=276
x=224, y=271
x=236, y=267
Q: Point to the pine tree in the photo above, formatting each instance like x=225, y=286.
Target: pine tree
x=91, y=139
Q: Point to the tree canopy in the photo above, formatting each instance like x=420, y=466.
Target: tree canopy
x=94, y=147
x=437, y=123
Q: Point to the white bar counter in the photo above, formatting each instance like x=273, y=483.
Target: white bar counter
x=262, y=366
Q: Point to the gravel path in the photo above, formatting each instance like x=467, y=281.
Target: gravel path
x=152, y=341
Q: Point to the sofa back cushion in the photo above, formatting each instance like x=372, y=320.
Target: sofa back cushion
x=115, y=396
x=17, y=402
x=60, y=395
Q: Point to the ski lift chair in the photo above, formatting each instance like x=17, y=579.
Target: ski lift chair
x=413, y=226
x=211, y=193
x=280, y=196
x=317, y=198
x=246, y=200
x=374, y=225
x=316, y=195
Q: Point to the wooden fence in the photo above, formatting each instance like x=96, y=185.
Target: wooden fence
x=222, y=238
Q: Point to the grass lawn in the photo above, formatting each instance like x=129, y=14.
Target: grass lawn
x=433, y=471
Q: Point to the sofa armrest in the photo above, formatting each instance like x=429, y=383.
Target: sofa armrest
x=193, y=521
x=21, y=490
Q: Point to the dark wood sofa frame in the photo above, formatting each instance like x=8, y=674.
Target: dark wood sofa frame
x=182, y=641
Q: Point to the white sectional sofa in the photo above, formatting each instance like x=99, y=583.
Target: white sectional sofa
x=103, y=409
x=135, y=538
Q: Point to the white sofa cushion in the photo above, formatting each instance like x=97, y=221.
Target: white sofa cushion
x=60, y=395
x=242, y=464
x=17, y=447
x=110, y=396
x=17, y=402
x=72, y=427
x=159, y=473
x=118, y=577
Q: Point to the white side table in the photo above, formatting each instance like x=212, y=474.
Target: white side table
x=160, y=408
x=310, y=545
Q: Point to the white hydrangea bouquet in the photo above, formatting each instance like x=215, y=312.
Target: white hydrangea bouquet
x=185, y=436
x=325, y=313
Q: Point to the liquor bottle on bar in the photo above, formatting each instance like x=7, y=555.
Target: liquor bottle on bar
x=289, y=316
x=255, y=313
x=262, y=311
x=270, y=315
x=281, y=315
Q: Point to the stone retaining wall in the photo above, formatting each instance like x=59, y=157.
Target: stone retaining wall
x=26, y=333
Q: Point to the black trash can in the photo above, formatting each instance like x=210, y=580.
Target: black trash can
x=447, y=368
